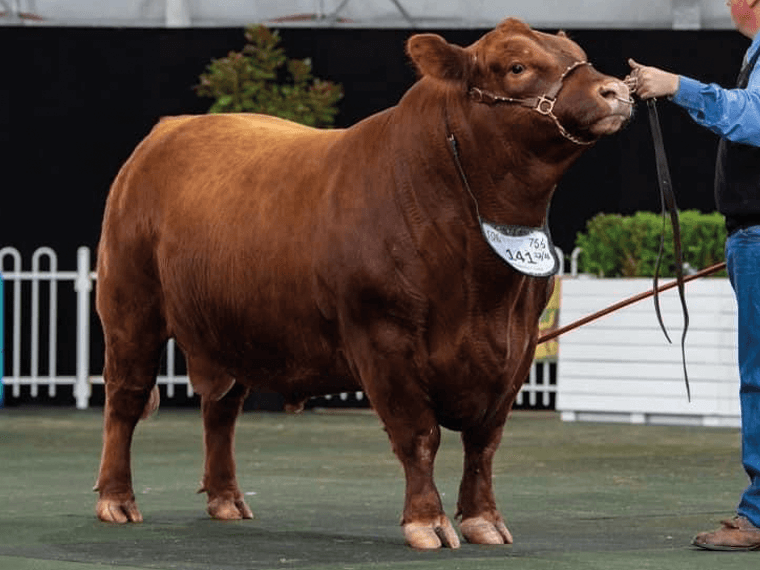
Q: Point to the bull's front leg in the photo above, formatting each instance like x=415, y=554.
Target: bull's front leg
x=481, y=522
x=415, y=442
x=225, y=500
x=415, y=437
x=383, y=361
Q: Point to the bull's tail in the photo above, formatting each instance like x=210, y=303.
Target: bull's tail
x=152, y=404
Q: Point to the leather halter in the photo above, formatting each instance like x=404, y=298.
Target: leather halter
x=543, y=104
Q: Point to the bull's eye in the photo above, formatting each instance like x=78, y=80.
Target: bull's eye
x=517, y=68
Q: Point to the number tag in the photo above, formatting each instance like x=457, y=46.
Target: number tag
x=528, y=250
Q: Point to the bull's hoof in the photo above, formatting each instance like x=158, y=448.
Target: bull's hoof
x=478, y=530
x=228, y=509
x=429, y=536
x=116, y=511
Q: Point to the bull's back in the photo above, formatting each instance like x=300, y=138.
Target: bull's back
x=225, y=161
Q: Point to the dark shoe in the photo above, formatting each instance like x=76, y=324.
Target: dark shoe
x=736, y=534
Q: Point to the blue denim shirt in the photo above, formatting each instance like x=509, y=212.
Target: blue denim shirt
x=734, y=114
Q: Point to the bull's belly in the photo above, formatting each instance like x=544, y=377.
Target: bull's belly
x=270, y=365
x=297, y=385
x=297, y=377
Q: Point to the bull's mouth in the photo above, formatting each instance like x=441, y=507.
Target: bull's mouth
x=610, y=124
x=605, y=126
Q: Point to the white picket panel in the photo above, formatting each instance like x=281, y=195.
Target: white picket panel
x=37, y=275
x=621, y=367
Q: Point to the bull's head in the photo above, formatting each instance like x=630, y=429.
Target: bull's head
x=516, y=66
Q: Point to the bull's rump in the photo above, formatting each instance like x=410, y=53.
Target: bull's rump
x=226, y=215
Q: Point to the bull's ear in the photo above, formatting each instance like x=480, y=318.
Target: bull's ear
x=437, y=58
x=562, y=34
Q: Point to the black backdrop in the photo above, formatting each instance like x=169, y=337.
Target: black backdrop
x=75, y=102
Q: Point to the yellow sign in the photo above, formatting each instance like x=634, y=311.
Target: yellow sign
x=549, y=322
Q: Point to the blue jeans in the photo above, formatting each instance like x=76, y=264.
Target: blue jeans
x=743, y=263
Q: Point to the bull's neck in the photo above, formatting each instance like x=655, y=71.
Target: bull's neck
x=511, y=171
x=444, y=198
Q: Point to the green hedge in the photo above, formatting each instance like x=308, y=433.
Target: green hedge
x=627, y=246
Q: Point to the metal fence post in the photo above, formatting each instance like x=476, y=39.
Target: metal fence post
x=2, y=336
x=37, y=276
x=83, y=287
x=16, y=327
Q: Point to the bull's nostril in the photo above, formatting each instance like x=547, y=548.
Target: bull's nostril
x=615, y=90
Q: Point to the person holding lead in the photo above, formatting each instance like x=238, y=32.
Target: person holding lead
x=733, y=114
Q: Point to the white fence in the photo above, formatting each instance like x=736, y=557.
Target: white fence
x=82, y=282
x=28, y=365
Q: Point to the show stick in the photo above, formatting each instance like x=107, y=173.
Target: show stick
x=629, y=301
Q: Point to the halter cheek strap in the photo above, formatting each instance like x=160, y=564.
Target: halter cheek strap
x=543, y=104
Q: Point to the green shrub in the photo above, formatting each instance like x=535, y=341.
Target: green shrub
x=261, y=79
x=627, y=246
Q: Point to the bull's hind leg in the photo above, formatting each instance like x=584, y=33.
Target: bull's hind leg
x=130, y=377
x=221, y=402
x=130, y=310
x=481, y=521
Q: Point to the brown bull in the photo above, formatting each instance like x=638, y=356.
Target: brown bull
x=307, y=262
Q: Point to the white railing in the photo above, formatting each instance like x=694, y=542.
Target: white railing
x=82, y=282
x=538, y=389
x=539, y=386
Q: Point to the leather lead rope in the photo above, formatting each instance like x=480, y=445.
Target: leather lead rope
x=669, y=207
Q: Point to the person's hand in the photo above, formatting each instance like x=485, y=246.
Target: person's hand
x=648, y=82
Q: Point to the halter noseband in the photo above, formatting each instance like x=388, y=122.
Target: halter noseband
x=543, y=104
